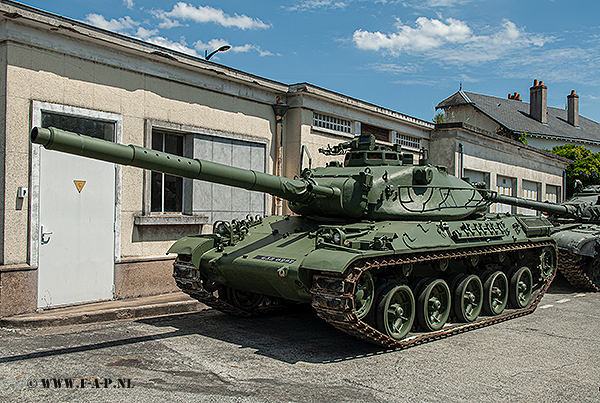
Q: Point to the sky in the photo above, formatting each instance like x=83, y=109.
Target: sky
x=405, y=55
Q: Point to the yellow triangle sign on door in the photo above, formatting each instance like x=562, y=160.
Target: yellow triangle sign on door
x=79, y=185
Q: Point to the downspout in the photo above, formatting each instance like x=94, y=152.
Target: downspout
x=280, y=109
x=461, y=154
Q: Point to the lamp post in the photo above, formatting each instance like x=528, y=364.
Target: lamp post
x=223, y=48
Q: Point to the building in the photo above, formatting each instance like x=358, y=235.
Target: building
x=76, y=230
x=541, y=126
x=529, y=171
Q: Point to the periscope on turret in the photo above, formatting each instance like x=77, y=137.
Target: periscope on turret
x=392, y=252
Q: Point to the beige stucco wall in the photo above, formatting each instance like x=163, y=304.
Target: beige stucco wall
x=547, y=144
x=53, y=76
x=466, y=114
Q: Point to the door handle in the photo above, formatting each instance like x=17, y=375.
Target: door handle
x=45, y=240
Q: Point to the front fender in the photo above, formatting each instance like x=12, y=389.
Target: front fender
x=195, y=245
x=335, y=261
x=576, y=242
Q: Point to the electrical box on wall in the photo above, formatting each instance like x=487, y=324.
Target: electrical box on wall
x=22, y=192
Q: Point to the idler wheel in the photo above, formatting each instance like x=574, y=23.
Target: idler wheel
x=495, y=293
x=209, y=286
x=593, y=271
x=521, y=283
x=395, y=311
x=364, y=295
x=468, y=299
x=433, y=304
x=246, y=301
x=548, y=262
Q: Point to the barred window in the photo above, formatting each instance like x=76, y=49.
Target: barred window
x=406, y=141
x=332, y=123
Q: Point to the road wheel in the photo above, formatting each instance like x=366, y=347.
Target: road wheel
x=433, y=304
x=468, y=299
x=495, y=293
x=520, y=289
x=395, y=311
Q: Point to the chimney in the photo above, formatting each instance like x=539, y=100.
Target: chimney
x=538, y=97
x=573, y=108
x=516, y=96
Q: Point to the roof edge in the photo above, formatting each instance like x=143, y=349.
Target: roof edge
x=473, y=129
x=311, y=89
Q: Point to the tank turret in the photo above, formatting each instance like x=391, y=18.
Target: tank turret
x=576, y=231
x=374, y=183
x=390, y=251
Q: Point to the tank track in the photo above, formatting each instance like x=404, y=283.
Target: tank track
x=333, y=298
x=188, y=280
x=572, y=266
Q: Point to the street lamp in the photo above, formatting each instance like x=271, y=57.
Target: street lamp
x=223, y=48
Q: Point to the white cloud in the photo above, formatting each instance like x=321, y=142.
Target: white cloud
x=428, y=34
x=120, y=25
x=393, y=68
x=428, y=4
x=127, y=26
x=451, y=41
x=217, y=43
x=144, y=33
x=307, y=5
x=128, y=3
x=180, y=46
x=204, y=14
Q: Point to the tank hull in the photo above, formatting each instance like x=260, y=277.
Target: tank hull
x=292, y=259
x=579, y=257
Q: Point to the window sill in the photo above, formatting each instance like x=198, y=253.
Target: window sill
x=333, y=132
x=144, y=220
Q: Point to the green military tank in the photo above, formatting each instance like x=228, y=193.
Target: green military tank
x=576, y=231
x=389, y=251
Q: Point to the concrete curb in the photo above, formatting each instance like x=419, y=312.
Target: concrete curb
x=105, y=311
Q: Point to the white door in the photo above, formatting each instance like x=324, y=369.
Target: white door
x=77, y=208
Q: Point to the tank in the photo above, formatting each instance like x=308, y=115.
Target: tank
x=389, y=251
x=576, y=231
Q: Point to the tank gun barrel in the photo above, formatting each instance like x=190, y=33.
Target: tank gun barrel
x=132, y=155
x=551, y=208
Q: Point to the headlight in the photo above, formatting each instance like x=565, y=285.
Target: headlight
x=337, y=238
x=221, y=229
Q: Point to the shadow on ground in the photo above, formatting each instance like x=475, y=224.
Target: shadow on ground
x=560, y=285
x=296, y=335
x=293, y=336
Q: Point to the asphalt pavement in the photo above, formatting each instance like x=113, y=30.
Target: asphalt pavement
x=549, y=356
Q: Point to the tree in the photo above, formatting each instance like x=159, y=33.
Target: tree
x=439, y=118
x=585, y=166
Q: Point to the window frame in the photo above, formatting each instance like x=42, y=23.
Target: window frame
x=189, y=132
x=185, y=139
x=332, y=123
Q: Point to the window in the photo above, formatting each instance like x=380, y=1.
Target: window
x=76, y=124
x=406, y=141
x=380, y=134
x=530, y=190
x=166, y=190
x=552, y=193
x=332, y=123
